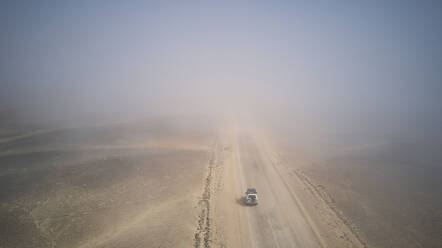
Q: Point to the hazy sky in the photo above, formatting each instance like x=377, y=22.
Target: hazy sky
x=325, y=58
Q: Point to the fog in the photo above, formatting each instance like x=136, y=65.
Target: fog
x=122, y=119
x=329, y=65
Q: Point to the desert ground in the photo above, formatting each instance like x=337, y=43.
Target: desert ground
x=110, y=185
x=177, y=183
x=385, y=185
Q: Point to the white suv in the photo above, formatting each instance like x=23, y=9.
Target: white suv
x=251, y=196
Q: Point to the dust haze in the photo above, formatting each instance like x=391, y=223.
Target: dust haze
x=141, y=124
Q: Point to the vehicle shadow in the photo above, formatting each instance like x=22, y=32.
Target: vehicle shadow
x=242, y=201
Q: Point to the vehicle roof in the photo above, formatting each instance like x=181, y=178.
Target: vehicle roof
x=251, y=190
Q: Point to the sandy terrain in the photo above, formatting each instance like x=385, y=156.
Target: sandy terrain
x=385, y=186
x=127, y=185
x=105, y=186
x=391, y=198
x=157, y=184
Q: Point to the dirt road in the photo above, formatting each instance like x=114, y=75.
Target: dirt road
x=242, y=160
x=278, y=220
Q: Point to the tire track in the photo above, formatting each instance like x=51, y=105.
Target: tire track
x=202, y=237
